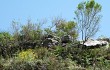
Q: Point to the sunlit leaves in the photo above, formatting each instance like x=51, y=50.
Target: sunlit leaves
x=88, y=17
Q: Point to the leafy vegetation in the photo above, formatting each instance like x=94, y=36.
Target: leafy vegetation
x=24, y=49
x=88, y=17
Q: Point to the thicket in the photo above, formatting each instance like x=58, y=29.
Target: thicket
x=23, y=50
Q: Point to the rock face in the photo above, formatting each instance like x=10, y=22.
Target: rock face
x=50, y=41
x=95, y=43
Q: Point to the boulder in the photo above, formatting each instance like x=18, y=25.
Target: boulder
x=50, y=41
x=95, y=43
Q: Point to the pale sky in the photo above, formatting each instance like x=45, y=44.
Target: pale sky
x=22, y=10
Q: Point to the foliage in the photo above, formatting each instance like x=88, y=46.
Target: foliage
x=27, y=36
x=27, y=55
x=25, y=60
x=64, y=27
x=23, y=50
x=52, y=59
x=87, y=18
x=90, y=57
x=42, y=52
x=6, y=44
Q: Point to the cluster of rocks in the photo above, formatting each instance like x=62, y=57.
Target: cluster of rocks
x=50, y=40
x=96, y=43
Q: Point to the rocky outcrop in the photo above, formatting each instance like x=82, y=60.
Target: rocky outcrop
x=95, y=43
x=50, y=41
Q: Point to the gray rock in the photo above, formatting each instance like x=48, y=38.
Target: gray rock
x=50, y=41
x=95, y=43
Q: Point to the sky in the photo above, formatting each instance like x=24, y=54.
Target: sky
x=36, y=10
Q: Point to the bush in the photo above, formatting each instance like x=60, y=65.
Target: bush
x=6, y=44
x=23, y=50
x=42, y=52
x=89, y=57
x=27, y=55
x=26, y=61
x=24, y=65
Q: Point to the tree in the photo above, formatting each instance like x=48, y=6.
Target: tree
x=64, y=27
x=31, y=33
x=87, y=18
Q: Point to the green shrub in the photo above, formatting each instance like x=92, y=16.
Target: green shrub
x=24, y=65
x=42, y=52
x=6, y=44
x=27, y=55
